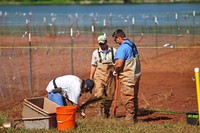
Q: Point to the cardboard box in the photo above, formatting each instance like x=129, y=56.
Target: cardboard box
x=40, y=123
x=39, y=112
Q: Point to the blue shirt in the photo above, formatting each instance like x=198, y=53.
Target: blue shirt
x=126, y=50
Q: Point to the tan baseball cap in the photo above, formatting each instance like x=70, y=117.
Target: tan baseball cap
x=102, y=39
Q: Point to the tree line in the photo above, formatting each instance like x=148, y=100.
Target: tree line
x=38, y=2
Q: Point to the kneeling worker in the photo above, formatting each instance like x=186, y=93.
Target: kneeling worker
x=68, y=87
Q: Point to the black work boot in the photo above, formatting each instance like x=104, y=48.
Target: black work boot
x=135, y=114
x=106, y=113
x=135, y=119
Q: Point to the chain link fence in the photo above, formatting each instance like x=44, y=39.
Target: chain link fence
x=35, y=48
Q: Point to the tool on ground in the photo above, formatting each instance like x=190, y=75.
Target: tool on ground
x=115, y=97
x=90, y=101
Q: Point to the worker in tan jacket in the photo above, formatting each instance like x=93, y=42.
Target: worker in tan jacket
x=102, y=68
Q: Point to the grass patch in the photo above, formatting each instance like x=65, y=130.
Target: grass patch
x=112, y=125
x=168, y=112
x=95, y=125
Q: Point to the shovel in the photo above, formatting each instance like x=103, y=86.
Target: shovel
x=115, y=97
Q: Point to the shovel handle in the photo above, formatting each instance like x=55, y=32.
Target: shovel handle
x=115, y=97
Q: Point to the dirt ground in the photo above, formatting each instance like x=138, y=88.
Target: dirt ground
x=167, y=85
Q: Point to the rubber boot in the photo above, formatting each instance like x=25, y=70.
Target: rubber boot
x=135, y=120
x=129, y=117
x=107, y=105
x=106, y=112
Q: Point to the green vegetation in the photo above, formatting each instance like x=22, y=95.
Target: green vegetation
x=94, y=125
x=61, y=2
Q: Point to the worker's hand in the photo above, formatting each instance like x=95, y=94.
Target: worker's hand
x=114, y=73
x=83, y=113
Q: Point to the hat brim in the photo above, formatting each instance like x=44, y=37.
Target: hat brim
x=101, y=42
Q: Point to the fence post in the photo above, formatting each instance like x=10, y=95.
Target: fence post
x=111, y=25
x=93, y=31
x=133, y=24
x=194, y=27
x=53, y=28
x=72, y=43
x=1, y=22
x=177, y=28
x=30, y=55
x=30, y=59
x=156, y=36
x=0, y=27
x=45, y=26
x=5, y=23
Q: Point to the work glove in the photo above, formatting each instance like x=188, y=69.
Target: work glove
x=114, y=73
x=81, y=111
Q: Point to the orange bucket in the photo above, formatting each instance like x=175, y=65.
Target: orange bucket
x=66, y=117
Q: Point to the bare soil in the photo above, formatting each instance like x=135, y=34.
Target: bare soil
x=167, y=84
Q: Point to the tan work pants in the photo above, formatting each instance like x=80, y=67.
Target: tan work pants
x=104, y=84
x=129, y=97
